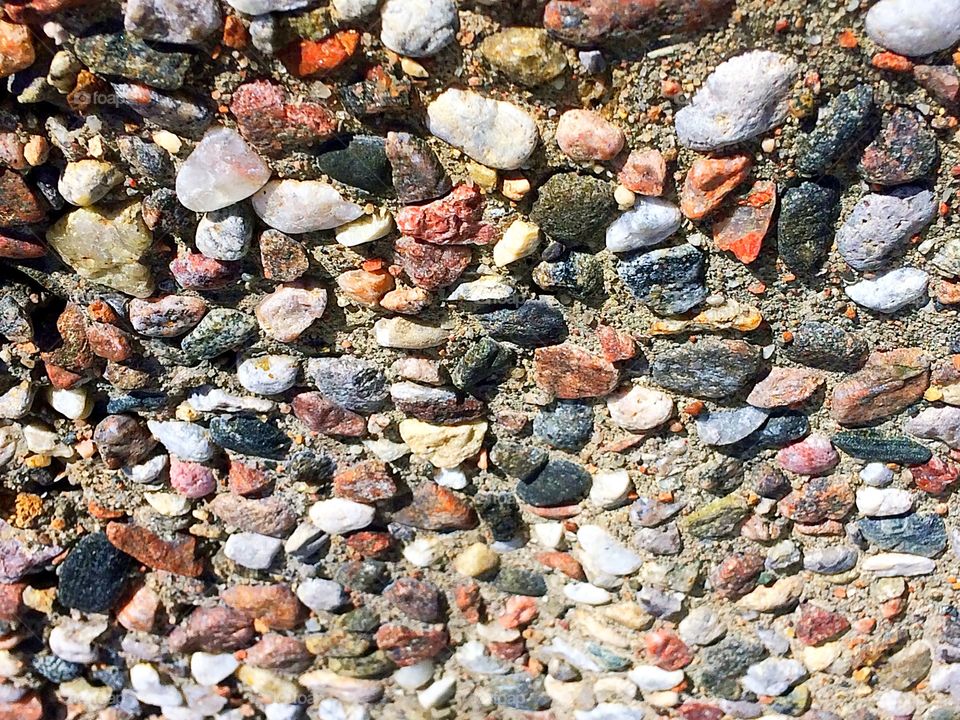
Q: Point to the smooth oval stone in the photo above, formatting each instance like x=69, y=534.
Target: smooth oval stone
x=492, y=132
x=567, y=426
x=914, y=28
x=249, y=436
x=222, y=170
x=743, y=98
x=574, y=209
x=650, y=222
x=295, y=206
x=891, y=291
x=261, y=7
x=534, y=324
x=521, y=582
x=712, y=368
x=93, y=576
x=560, y=482
x=220, y=330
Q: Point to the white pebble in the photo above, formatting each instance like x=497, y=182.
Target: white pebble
x=73, y=404
x=876, y=474
x=337, y=516
x=890, y=292
x=210, y=668
x=610, y=488
x=320, y=594
x=884, y=502
x=914, y=28
x=413, y=677
x=438, y=694
x=586, y=593
x=268, y=374
x=252, y=550
x=187, y=441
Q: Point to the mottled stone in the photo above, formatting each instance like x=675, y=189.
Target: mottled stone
x=711, y=368
x=888, y=383
x=669, y=281
x=805, y=226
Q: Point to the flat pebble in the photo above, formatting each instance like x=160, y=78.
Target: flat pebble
x=891, y=291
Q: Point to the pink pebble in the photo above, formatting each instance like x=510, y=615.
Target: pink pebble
x=190, y=479
x=814, y=455
x=194, y=271
x=585, y=136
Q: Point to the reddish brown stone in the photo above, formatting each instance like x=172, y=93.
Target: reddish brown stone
x=406, y=300
x=371, y=544
x=520, y=610
x=11, y=602
x=28, y=707
x=145, y=546
x=408, y=646
x=468, y=600
x=235, y=35
x=829, y=528
x=194, y=271
x=271, y=516
x=453, y=220
x=615, y=345
x=815, y=625
x=888, y=383
x=941, y=81
x=709, y=181
x=509, y=651
x=429, y=266
x=366, y=482
x=935, y=477
x=212, y=629
x=416, y=598
x=785, y=386
x=283, y=258
x=109, y=342
x=741, y=230
x=20, y=248
x=139, y=611
x=564, y=562
x=35, y=11
x=667, y=650
x=312, y=58
x=63, y=379
x=440, y=407
x=16, y=48
x=274, y=125
x=691, y=710
x=322, y=416
x=817, y=500
x=382, y=93
x=737, y=575
x=589, y=22
x=122, y=440
x=246, y=479
x=436, y=508
x=364, y=287
x=570, y=372
x=279, y=652
x=275, y=606
x=74, y=352
x=644, y=172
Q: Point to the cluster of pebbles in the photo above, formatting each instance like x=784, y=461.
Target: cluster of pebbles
x=588, y=359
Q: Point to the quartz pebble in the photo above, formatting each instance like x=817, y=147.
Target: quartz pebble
x=221, y=170
x=420, y=29
x=891, y=291
x=294, y=207
x=648, y=223
x=914, y=30
x=509, y=134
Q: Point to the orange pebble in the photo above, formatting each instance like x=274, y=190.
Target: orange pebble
x=787, y=336
x=694, y=408
x=892, y=62
x=847, y=39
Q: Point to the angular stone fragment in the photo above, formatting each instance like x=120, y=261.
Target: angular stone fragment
x=709, y=181
x=818, y=500
x=175, y=556
x=509, y=135
x=221, y=170
x=742, y=229
x=573, y=209
x=418, y=28
x=105, y=246
x=220, y=331
x=443, y=445
x=742, y=98
x=178, y=21
x=275, y=125
x=436, y=508
x=888, y=383
x=417, y=172
x=570, y=372
x=905, y=151
x=841, y=128
x=785, y=386
x=825, y=346
x=648, y=223
x=451, y=220
x=294, y=206
x=131, y=58
x=288, y=312
x=880, y=226
x=669, y=281
x=177, y=113
x=19, y=205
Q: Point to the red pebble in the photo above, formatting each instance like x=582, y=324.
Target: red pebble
x=194, y=271
x=935, y=477
x=667, y=650
x=453, y=220
x=190, y=479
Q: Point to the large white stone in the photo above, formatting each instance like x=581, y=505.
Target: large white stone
x=495, y=133
x=914, y=27
x=898, y=565
x=891, y=291
x=268, y=374
x=884, y=502
x=639, y=408
x=187, y=441
x=222, y=169
x=743, y=98
x=300, y=206
x=261, y=7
